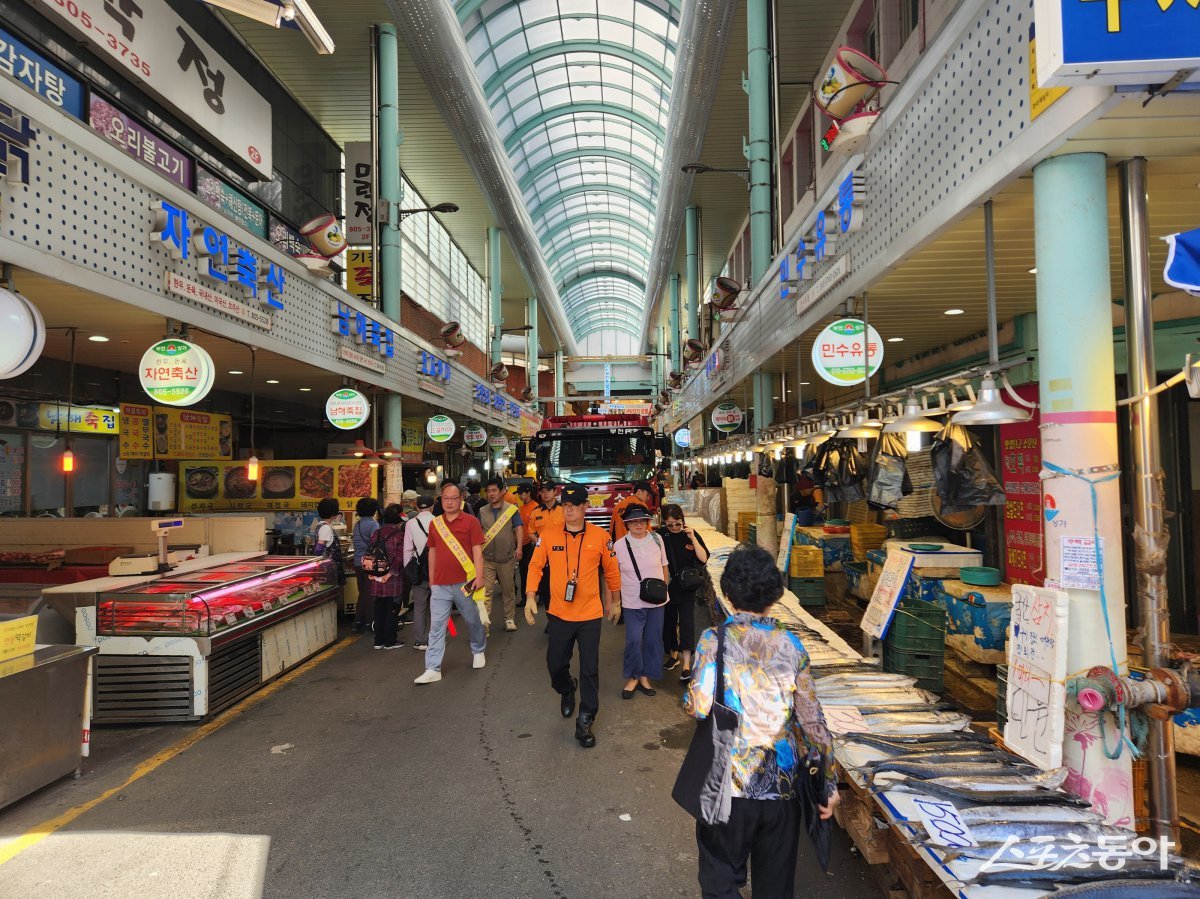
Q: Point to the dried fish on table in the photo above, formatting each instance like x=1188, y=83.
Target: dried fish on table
x=918, y=722
x=973, y=815
x=1131, y=889
x=953, y=753
x=929, y=770
x=957, y=792
x=1045, y=877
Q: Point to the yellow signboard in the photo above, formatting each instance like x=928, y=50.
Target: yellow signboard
x=60, y=417
x=283, y=485
x=17, y=637
x=159, y=432
x=358, y=273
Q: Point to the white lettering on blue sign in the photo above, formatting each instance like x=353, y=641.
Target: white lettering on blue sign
x=349, y=322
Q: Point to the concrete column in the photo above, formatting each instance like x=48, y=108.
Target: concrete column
x=391, y=193
x=531, y=344
x=560, y=387
x=765, y=412
x=691, y=230
x=676, y=341
x=758, y=151
x=495, y=291
x=1079, y=436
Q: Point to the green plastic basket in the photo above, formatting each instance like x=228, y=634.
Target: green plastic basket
x=917, y=626
x=809, y=591
x=929, y=668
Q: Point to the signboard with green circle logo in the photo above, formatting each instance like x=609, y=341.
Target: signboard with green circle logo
x=727, y=417
x=176, y=372
x=347, y=409
x=683, y=438
x=475, y=435
x=440, y=428
x=837, y=353
x=498, y=442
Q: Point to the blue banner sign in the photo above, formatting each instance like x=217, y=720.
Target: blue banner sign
x=24, y=64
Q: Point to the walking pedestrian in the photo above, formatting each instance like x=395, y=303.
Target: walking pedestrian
x=387, y=590
x=455, y=575
x=547, y=516
x=686, y=558
x=416, y=538
x=584, y=581
x=528, y=505
x=365, y=526
x=640, y=554
x=502, y=548
x=643, y=495
x=781, y=727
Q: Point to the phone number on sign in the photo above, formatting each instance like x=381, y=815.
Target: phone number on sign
x=84, y=18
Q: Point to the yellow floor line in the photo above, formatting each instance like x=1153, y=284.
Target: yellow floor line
x=35, y=835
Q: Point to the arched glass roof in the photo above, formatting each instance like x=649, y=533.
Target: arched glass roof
x=580, y=91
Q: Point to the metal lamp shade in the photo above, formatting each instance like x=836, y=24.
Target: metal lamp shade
x=990, y=409
x=859, y=428
x=914, y=419
x=962, y=405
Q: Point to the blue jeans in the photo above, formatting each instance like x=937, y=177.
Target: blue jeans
x=643, y=643
x=441, y=598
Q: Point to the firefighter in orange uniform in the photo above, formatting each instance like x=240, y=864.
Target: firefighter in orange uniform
x=573, y=556
x=548, y=514
x=527, y=505
x=643, y=495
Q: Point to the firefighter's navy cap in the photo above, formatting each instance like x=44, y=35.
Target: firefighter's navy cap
x=636, y=512
x=642, y=485
x=525, y=488
x=575, y=495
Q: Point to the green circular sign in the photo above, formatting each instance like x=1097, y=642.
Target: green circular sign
x=475, y=435
x=347, y=409
x=176, y=372
x=837, y=353
x=440, y=428
x=727, y=417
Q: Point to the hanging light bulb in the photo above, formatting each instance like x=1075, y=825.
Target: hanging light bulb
x=68, y=461
x=913, y=420
x=959, y=405
x=990, y=408
x=252, y=468
x=387, y=451
x=361, y=451
x=859, y=428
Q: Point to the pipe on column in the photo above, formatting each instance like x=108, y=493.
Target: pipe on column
x=758, y=151
x=391, y=195
x=691, y=229
x=495, y=290
x=531, y=345
x=1077, y=395
x=559, y=383
x=1150, y=534
x=676, y=342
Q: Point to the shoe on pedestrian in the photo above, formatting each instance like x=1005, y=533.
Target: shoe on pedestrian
x=510, y=625
x=685, y=676
x=567, y=706
x=431, y=676
x=478, y=660
x=583, y=730
x=420, y=647
x=648, y=691
x=627, y=694
x=378, y=646
x=397, y=645
x=671, y=663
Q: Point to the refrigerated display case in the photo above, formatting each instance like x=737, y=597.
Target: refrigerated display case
x=187, y=644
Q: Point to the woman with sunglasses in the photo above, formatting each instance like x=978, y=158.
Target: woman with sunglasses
x=686, y=557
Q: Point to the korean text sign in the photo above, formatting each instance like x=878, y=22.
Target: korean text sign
x=1020, y=465
x=151, y=43
x=40, y=75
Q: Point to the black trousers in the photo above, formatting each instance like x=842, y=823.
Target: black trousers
x=680, y=613
x=523, y=574
x=764, y=832
x=385, y=620
x=563, y=637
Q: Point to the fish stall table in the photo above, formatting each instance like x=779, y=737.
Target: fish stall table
x=927, y=870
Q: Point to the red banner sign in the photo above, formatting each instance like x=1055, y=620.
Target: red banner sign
x=1020, y=462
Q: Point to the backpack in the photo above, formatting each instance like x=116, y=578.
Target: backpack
x=375, y=560
x=417, y=569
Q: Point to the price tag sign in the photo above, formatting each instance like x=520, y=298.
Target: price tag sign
x=17, y=637
x=942, y=823
x=845, y=719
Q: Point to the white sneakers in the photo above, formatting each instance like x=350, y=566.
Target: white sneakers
x=430, y=676
x=478, y=661
x=510, y=624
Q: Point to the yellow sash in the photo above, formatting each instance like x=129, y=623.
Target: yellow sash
x=498, y=525
x=461, y=554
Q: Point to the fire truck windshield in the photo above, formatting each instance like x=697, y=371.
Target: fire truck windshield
x=591, y=458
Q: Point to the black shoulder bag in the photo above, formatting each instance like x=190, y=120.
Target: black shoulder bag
x=417, y=569
x=653, y=589
x=704, y=787
x=689, y=579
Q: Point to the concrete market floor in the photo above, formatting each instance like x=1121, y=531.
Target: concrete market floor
x=350, y=781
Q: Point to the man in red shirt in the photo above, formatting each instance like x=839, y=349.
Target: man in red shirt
x=455, y=573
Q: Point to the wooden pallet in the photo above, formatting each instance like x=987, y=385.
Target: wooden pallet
x=918, y=878
x=855, y=812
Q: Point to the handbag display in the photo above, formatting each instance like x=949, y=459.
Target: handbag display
x=653, y=589
x=704, y=786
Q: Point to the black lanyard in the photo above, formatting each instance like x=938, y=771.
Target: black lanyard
x=573, y=578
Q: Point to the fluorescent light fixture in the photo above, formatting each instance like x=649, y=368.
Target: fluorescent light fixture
x=1033, y=271
x=303, y=17
x=98, y=338
x=259, y=10
x=305, y=389
x=895, y=340
x=954, y=311
x=272, y=381
x=234, y=372
x=294, y=13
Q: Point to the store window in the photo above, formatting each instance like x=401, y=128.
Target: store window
x=910, y=16
x=805, y=164
x=787, y=182
x=12, y=474
x=89, y=491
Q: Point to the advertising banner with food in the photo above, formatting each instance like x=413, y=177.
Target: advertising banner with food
x=155, y=432
x=291, y=484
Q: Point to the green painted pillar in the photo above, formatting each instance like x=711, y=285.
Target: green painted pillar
x=495, y=291
x=758, y=151
x=391, y=195
x=559, y=383
x=676, y=342
x=691, y=229
x=531, y=344
x=766, y=411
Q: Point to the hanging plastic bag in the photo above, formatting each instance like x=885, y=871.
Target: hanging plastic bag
x=961, y=474
x=889, y=473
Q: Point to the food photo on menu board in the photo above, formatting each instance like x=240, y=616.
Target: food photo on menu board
x=159, y=432
x=207, y=486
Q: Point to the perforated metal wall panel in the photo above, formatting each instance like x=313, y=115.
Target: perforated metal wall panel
x=85, y=219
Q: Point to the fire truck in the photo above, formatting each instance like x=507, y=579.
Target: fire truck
x=605, y=453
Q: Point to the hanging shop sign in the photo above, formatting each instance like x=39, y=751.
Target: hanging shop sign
x=294, y=484
x=358, y=274
x=530, y=422
x=16, y=137
x=360, y=161
x=837, y=353
x=58, y=417
x=176, y=372
x=475, y=435
x=144, y=144
x=220, y=260
x=727, y=418
x=695, y=429
x=155, y=432
x=495, y=402
x=231, y=203
x=153, y=44
x=498, y=442
x=432, y=373
x=1116, y=43
x=377, y=340
x=347, y=409
x=1020, y=465
x=683, y=438
x=412, y=441
x=440, y=428
x=22, y=333
x=30, y=68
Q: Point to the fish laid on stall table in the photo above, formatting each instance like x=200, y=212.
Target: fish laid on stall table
x=1046, y=877
x=1021, y=794
x=864, y=679
x=1013, y=780
x=918, y=742
x=992, y=834
x=955, y=753
x=972, y=815
x=1131, y=889
x=958, y=768
x=918, y=722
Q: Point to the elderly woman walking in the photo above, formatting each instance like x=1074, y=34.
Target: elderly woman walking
x=767, y=679
x=641, y=556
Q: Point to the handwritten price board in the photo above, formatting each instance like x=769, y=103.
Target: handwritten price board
x=845, y=719
x=888, y=591
x=942, y=823
x=1037, y=670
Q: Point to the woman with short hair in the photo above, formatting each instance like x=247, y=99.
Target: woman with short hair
x=686, y=552
x=643, y=621
x=387, y=590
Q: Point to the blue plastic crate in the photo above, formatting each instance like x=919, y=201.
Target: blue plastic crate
x=923, y=587
x=877, y=556
x=835, y=548
x=971, y=614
